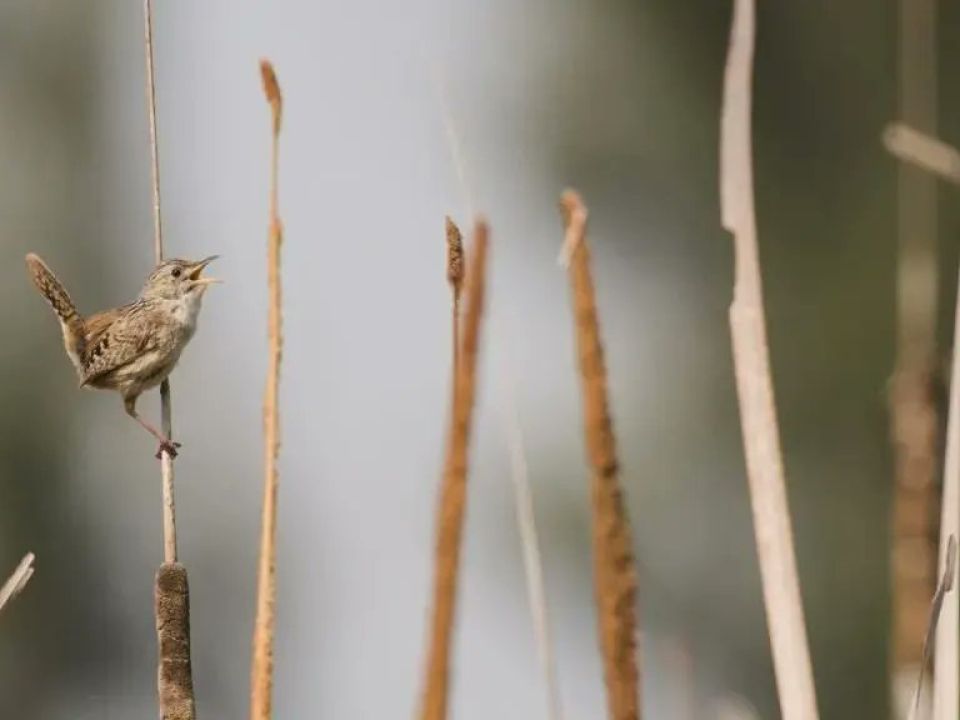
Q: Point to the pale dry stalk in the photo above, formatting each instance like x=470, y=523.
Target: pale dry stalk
x=171, y=590
x=758, y=418
x=532, y=559
x=914, y=413
x=944, y=588
x=17, y=581
x=946, y=679
x=261, y=701
x=453, y=490
x=910, y=145
x=615, y=576
x=523, y=496
x=166, y=461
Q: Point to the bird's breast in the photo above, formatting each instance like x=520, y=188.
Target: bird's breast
x=183, y=313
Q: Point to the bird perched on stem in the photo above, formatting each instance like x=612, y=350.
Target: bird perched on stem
x=131, y=348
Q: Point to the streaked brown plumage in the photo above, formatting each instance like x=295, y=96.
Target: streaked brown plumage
x=131, y=348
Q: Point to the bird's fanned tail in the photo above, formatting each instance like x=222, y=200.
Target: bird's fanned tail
x=71, y=322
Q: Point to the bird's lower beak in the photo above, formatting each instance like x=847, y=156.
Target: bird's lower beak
x=196, y=271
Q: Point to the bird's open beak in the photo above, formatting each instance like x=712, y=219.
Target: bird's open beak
x=197, y=270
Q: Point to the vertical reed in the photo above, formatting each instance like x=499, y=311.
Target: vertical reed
x=453, y=489
x=946, y=679
x=758, y=417
x=615, y=577
x=18, y=580
x=171, y=588
x=261, y=684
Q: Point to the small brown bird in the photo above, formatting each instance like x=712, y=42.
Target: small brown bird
x=131, y=348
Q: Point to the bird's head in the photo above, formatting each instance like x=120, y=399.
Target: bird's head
x=177, y=279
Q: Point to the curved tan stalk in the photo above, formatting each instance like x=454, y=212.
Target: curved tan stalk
x=264, y=625
x=453, y=490
x=758, y=416
x=171, y=589
x=614, y=571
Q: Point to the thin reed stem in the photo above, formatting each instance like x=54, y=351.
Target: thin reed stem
x=914, y=411
x=758, y=418
x=454, y=489
x=151, y=86
x=171, y=590
x=18, y=580
x=261, y=701
x=946, y=679
x=532, y=559
x=166, y=461
x=944, y=587
x=614, y=570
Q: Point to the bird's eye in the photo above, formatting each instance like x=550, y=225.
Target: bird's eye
x=176, y=272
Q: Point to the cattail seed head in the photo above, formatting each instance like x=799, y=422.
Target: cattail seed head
x=271, y=89
x=455, y=261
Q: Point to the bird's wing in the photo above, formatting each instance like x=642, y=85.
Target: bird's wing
x=116, y=338
x=95, y=325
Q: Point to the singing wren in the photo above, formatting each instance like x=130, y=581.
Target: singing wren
x=131, y=348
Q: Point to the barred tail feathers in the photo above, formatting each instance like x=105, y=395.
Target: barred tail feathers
x=71, y=323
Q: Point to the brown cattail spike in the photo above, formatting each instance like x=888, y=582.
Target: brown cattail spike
x=453, y=489
x=271, y=89
x=615, y=579
x=455, y=264
x=172, y=606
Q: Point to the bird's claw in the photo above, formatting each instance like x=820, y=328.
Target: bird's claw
x=169, y=447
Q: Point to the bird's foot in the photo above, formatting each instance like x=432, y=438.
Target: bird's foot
x=167, y=446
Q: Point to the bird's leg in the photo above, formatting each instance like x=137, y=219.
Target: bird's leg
x=166, y=444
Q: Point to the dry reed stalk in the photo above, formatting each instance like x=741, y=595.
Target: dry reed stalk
x=946, y=678
x=928, y=153
x=925, y=151
x=944, y=587
x=615, y=576
x=758, y=418
x=914, y=411
x=453, y=489
x=17, y=581
x=166, y=461
x=532, y=561
x=171, y=590
x=523, y=497
x=261, y=700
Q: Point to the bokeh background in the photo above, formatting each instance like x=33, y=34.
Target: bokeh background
x=617, y=98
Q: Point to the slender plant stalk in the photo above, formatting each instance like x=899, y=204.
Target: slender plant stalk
x=915, y=417
x=454, y=489
x=758, y=418
x=946, y=690
x=532, y=560
x=944, y=587
x=17, y=581
x=261, y=692
x=614, y=570
x=166, y=461
x=523, y=497
x=925, y=151
x=938, y=158
x=171, y=590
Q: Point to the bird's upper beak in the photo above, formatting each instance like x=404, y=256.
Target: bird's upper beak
x=195, y=271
